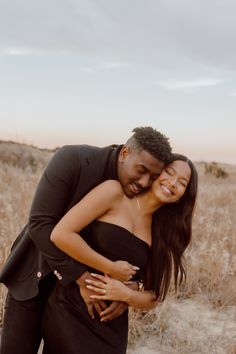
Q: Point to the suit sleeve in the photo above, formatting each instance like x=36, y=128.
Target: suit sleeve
x=50, y=203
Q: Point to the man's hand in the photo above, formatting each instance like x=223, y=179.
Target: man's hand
x=113, y=311
x=107, y=313
x=117, y=307
x=85, y=294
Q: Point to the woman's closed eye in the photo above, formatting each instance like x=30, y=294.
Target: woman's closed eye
x=169, y=171
x=183, y=183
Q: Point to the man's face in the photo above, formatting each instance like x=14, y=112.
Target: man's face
x=137, y=170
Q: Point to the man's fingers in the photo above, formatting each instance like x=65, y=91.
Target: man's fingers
x=90, y=310
x=113, y=311
x=99, y=306
x=103, y=304
x=108, y=310
x=86, y=296
x=111, y=316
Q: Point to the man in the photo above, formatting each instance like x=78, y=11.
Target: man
x=35, y=263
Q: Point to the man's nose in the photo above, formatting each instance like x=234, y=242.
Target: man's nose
x=145, y=181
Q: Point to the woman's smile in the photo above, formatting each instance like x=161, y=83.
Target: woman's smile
x=167, y=191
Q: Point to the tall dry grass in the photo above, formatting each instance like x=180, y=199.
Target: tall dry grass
x=201, y=318
x=211, y=258
x=20, y=170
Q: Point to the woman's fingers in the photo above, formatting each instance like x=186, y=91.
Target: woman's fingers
x=95, y=283
x=98, y=297
x=99, y=276
x=135, y=267
x=99, y=287
x=133, y=271
x=96, y=290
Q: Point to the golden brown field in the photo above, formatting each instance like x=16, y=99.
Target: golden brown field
x=202, y=317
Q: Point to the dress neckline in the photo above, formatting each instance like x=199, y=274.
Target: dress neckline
x=123, y=228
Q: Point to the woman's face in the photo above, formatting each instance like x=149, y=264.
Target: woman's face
x=172, y=182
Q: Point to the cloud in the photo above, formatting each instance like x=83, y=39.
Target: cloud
x=234, y=93
x=87, y=70
x=189, y=84
x=104, y=66
x=14, y=51
x=166, y=34
x=114, y=65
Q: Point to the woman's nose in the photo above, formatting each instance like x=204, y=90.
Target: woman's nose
x=173, y=181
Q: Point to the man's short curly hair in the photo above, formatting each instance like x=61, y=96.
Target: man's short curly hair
x=152, y=141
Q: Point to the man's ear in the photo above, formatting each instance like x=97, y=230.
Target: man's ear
x=124, y=152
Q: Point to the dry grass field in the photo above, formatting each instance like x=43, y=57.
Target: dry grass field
x=201, y=318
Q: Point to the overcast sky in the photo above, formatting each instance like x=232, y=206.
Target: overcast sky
x=90, y=71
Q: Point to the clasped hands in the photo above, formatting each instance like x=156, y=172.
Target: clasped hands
x=116, y=285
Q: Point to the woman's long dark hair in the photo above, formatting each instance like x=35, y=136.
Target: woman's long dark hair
x=171, y=234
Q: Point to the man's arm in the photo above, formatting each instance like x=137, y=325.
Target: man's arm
x=50, y=203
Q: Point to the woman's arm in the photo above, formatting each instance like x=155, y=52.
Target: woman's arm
x=65, y=235
x=111, y=289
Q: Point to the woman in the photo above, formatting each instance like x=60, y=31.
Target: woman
x=150, y=231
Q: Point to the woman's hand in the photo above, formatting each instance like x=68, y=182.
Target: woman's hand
x=108, y=288
x=122, y=270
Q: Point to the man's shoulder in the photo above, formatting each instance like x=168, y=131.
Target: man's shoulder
x=86, y=150
x=86, y=147
x=84, y=155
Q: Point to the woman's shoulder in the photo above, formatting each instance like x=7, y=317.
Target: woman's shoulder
x=109, y=192
x=113, y=186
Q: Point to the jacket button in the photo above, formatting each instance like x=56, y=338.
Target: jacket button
x=39, y=274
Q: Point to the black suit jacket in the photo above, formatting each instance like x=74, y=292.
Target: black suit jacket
x=71, y=173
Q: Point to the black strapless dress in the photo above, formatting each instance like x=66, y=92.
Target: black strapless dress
x=67, y=327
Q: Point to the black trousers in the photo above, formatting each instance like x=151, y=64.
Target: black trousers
x=21, y=332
